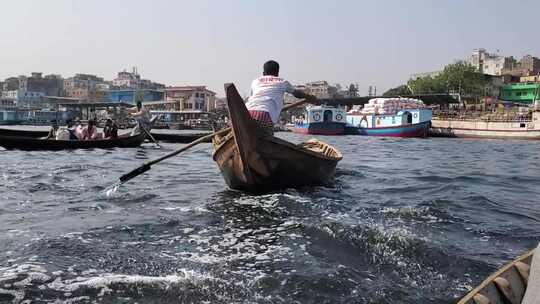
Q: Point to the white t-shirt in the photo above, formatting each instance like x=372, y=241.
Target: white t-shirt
x=143, y=116
x=267, y=95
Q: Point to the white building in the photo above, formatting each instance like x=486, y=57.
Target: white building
x=192, y=97
x=321, y=89
x=491, y=64
x=133, y=80
x=23, y=98
x=127, y=80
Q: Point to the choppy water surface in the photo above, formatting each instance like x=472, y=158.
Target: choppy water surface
x=408, y=221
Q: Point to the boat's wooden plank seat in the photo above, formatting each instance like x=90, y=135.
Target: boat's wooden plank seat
x=320, y=147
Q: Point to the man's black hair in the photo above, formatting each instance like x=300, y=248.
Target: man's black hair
x=271, y=68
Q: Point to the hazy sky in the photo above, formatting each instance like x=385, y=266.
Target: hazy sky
x=212, y=42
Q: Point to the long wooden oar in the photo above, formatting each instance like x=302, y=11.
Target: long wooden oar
x=147, y=166
x=150, y=136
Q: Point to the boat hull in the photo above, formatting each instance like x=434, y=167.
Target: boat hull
x=251, y=160
x=35, y=144
x=322, y=128
x=412, y=130
x=23, y=133
x=484, y=129
x=276, y=164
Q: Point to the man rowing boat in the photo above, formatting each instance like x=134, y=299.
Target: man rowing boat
x=266, y=98
x=141, y=114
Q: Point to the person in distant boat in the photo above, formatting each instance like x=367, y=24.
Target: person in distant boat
x=142, y=115
x=52, y=130
x=78, y=130
x=90, y=131
x=266, y=97
x=71, y=127
x=110, y=130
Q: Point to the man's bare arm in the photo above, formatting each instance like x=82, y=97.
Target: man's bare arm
x=301, y=94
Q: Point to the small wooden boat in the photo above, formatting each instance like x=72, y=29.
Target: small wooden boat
x=31, y=143
x=251, y=161
x=506, y=285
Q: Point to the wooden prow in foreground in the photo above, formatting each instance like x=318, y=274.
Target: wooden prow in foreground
x=252, y=161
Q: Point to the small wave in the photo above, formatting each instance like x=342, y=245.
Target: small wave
x=28, y=282
x=417, y=214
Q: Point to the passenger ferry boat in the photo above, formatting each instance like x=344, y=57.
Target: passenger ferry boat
x=321, y=120
x=394, y=117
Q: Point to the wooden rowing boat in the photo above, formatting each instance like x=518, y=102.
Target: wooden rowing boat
x=252, y=161
x=506, y=285
x=31, y=143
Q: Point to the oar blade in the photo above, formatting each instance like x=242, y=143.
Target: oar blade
x=138, y=171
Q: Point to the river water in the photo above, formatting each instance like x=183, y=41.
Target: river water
x=408, y=221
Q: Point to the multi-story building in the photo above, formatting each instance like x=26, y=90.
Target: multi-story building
x=83, y=81
x=132, y=80
x=85, y=87
x=50, y=85
x=491, y=64
x=530, y=64
x=127, y=80
x=527, y=66
x=10, y=84
x=23, y=98
x=7, y=103
x=28, y=91
x=525, y=93
x=321, y=89
x=88, y=94
x=192, y=97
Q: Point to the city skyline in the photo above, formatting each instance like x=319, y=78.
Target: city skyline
x=207, y=43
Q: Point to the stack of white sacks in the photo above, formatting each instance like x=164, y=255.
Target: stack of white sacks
x=387, y=106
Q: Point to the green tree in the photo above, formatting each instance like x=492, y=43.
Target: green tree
x=353, y=90
x=427, y=85
x=402, y=90
x=459, y=77
x=463, y=78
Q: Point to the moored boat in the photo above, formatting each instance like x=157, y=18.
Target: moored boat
x=515, y=282
x=32, y=143
x=251, y=161
x=487, y=126
x=393, y=117
x=321, y=120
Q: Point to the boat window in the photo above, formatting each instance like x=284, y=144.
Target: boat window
x=522, y=125
x=327, y=115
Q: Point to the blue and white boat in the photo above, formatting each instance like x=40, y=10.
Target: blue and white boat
x=393, y=117
x=321, y=120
